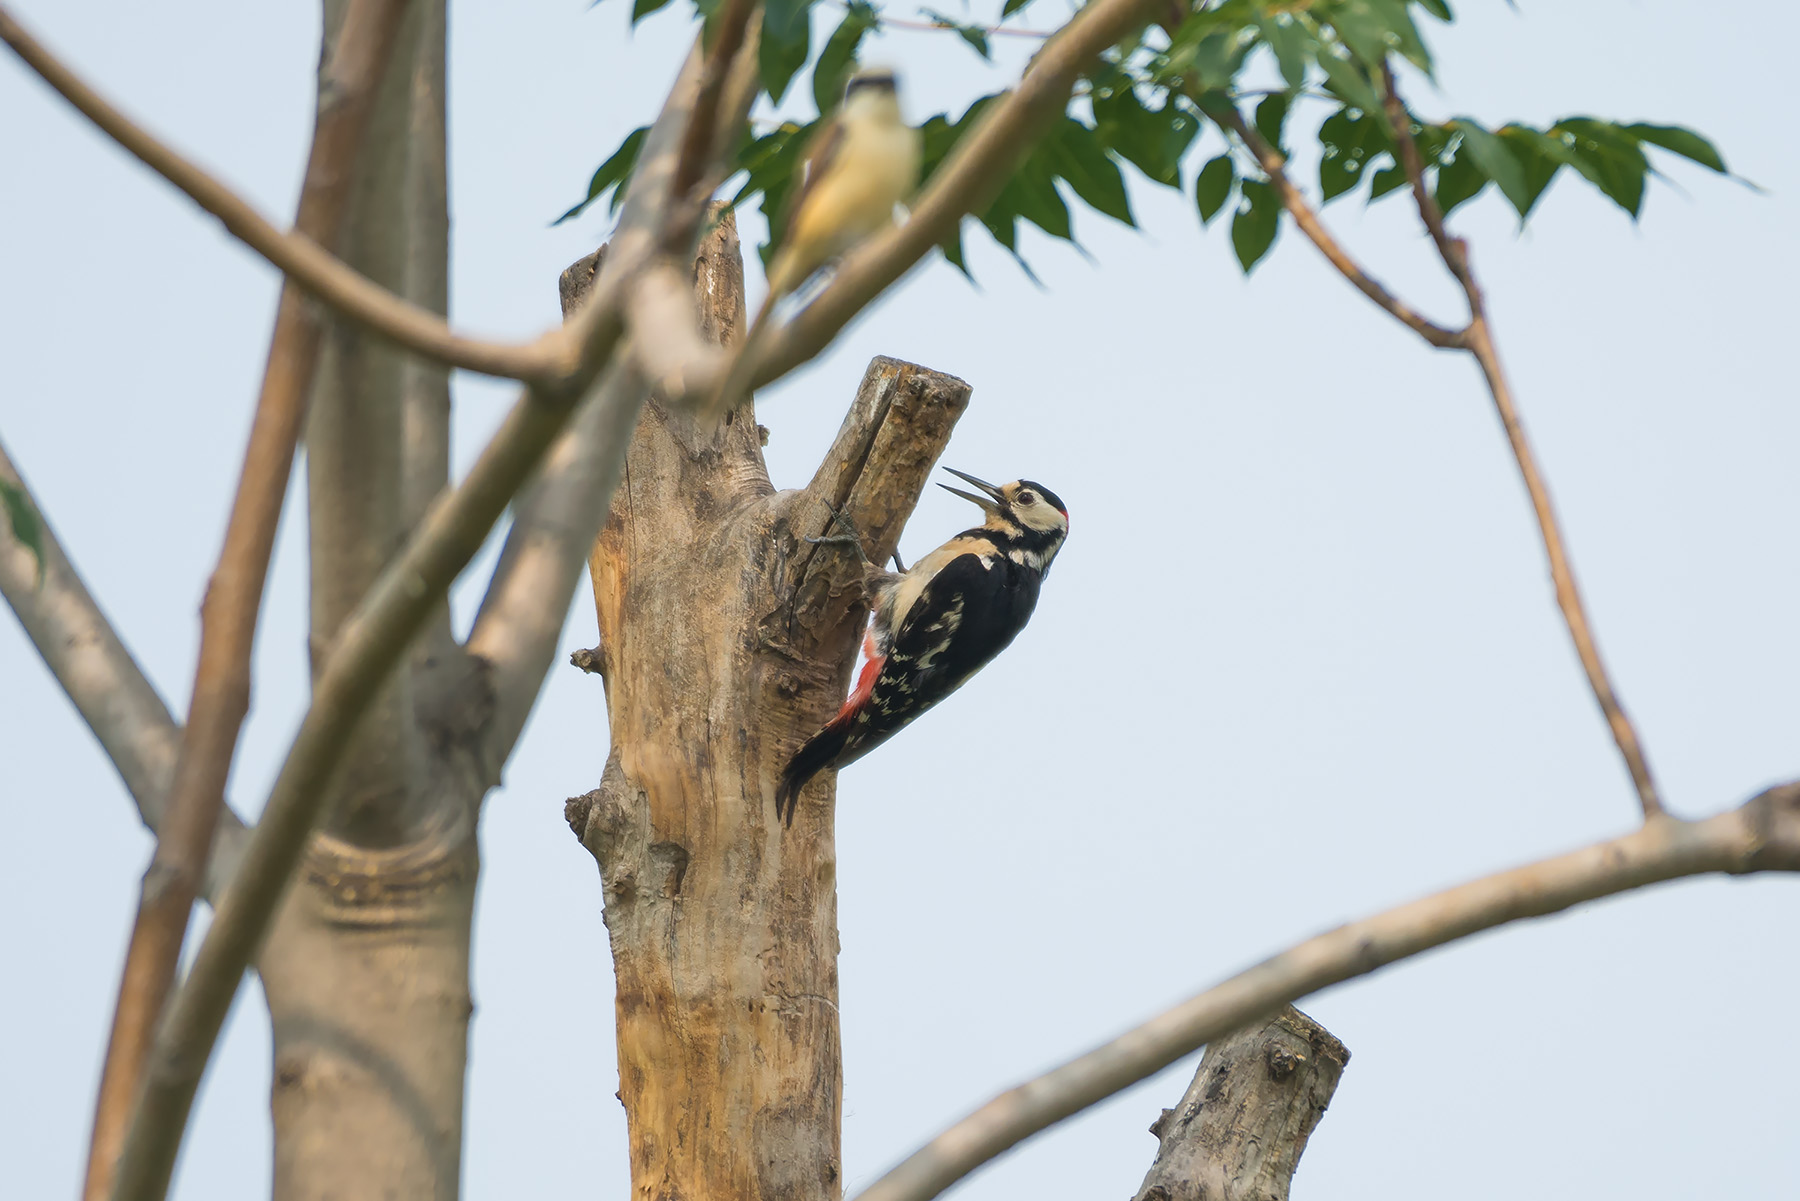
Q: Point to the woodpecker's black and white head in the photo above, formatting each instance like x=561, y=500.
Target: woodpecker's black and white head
x=1025, y=518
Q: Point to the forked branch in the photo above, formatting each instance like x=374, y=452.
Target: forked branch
x=370, y=644
x=300, y=256
x=1478, y=339
x=349, y=82
x=1274, y=165
x=110, y=691
x=1761, y=835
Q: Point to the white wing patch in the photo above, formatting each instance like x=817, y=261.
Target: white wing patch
x=945, y=628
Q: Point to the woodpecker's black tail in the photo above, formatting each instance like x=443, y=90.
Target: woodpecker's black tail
x=817, y=755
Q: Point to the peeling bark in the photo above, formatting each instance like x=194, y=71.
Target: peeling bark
x=725, y=641
x=1242, y=1125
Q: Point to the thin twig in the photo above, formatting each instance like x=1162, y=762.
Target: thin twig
x=1479, y=341
x=303, y=259
x=967, y=181
x=1762, y=835
x=996, y=31
x=369, y=645
x=1274, y=165
x=221, y=692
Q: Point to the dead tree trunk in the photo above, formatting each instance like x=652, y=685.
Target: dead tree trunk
x=725, y=641
x=1242, y=1125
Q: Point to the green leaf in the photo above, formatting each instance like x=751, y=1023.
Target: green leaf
x=643, y=8
x=1292, y=44
x=1459, y=181
x=1496, y=161
x=785, y=45
x=1346, y=80
x=952, y=250
x=1031, y=192
x=1678, y=140
x=1347, y=143
x=1212, y=187
x=613, y=173
x=1540, y=158
x=1390, y=178
x=1608, y=156
x=772, y=164
x=1271, y=115
x=1396, y=18
x=1153, y=140
x=1007, y=10
x=27, y=530
x=838, y=59
x=1438, y=9
x=974, y=35
x=1218, y=58
x=1076, y=154
x=1257, y=222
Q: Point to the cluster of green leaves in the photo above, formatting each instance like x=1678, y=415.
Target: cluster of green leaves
x=1146, y=104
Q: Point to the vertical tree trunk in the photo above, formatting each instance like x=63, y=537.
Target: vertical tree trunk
x=367, y=968
x=725, y=641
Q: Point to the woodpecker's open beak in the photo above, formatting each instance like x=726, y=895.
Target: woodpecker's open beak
x=987, y=505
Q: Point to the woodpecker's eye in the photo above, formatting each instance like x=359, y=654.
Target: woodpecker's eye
x=1028, y=497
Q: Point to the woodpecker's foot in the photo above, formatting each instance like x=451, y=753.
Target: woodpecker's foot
x=849, y=537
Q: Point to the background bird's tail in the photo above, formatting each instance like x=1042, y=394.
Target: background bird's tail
x=808, y=762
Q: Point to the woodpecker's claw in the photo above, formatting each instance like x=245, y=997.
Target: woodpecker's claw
x=848, y=538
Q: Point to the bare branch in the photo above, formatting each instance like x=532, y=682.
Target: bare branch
x=559, y=518
x=301, y=257
x=553, y=530
x=118, y=703
x=370, y=644
x=87, y=658
x=1274, y=165
x=1762, y=835
x=966, y=182
x=1478, y=339
x=1241, y=1127
x=221, y=695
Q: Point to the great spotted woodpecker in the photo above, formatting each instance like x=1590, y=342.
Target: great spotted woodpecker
x=938, y=624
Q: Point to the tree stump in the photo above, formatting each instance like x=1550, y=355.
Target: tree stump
x=1242, y=1125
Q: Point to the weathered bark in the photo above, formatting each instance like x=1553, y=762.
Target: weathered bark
x=726, y=640
x=366, y=970
x=1242, y=1125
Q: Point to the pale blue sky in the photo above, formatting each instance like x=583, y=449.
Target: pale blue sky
x=1301, y=643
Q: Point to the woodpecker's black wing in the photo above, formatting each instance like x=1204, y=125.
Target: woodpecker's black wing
x=967, y=614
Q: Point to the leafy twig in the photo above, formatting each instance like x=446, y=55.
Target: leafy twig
x=1478, y=340
x=1274, y=165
